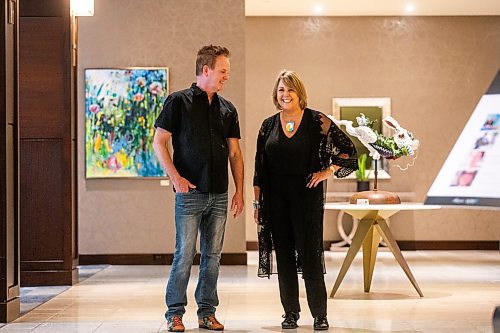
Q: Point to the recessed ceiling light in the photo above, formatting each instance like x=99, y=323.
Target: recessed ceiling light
x=410, y=8
x=318, y=9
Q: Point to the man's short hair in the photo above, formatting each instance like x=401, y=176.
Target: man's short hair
x=207, y=55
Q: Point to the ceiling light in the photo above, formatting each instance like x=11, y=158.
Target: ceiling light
x=410, y=8
x=318, y=9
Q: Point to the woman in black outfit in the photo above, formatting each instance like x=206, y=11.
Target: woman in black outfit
x=297, y=149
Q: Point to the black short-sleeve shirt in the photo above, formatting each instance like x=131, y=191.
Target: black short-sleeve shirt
x=199, y=136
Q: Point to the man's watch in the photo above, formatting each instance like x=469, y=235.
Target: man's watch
x=256, y=204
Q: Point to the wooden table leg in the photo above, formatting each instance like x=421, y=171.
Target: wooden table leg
x=357, y=241
x=384, y=230
x=370, y=248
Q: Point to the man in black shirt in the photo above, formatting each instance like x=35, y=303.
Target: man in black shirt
x=205, y=131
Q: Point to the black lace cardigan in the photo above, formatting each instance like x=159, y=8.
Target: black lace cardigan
x=328, y=143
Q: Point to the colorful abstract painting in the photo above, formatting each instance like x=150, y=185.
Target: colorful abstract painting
x=121, y=106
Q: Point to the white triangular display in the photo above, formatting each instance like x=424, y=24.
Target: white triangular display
x=470, y=175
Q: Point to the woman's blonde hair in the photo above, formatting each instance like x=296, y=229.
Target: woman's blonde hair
x=292, y=80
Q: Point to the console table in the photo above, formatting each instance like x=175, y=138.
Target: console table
x=372, y=226
x=343, y=197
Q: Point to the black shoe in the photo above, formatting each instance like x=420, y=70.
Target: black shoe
x=290, y=320
x=320, y=323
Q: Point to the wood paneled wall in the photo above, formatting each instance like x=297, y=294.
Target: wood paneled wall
x=9, y=211
x=47, y=166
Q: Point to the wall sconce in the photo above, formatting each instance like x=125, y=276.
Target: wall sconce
x=82, y=7
x=78, y=8
x=11, y=11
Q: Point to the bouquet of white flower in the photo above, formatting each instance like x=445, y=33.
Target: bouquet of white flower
x=401, y=143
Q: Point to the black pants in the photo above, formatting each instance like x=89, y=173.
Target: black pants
x=290, y=229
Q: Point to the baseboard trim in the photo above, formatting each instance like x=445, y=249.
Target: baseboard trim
x=422, y=245
x=153, y=259
x=254, y=246
x=448, y=245
x=241, y=258
x=49, y=278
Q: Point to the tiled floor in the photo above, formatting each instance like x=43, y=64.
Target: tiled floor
x=461, y=288
x=32, y=297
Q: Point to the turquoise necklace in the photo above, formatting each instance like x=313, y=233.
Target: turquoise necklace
x=289, y=125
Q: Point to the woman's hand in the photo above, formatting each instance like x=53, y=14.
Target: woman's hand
x=256, y=204
x=318, y=177
x=256, y=215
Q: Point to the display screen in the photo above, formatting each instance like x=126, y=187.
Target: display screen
x=471, y=174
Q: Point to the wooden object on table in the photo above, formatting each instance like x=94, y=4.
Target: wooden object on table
x=347, y=237
x=375, y=197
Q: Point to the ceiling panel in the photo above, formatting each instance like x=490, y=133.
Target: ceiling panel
x=371, y=7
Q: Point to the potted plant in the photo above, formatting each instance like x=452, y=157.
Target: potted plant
x=361, y=174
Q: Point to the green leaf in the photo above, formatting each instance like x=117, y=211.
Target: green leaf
x=361, y=172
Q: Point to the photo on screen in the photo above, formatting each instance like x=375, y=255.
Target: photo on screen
x=464, y=178
x=485, y=139
x=492, y=122
x=475, y=158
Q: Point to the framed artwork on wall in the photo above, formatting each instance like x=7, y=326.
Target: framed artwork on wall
x=121, y=106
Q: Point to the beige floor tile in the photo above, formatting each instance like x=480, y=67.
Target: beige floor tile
x=461, y=291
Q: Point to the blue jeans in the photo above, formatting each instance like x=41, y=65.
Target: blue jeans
x=207, y=213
